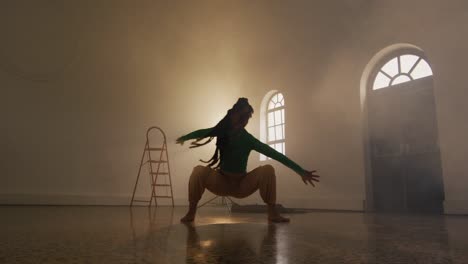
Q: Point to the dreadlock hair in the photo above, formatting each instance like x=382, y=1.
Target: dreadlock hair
x=220, y=131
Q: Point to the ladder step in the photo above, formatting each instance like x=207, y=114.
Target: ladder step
x=154, y=149
x=166, y=196
x=158, y=161
x=160, y=173
x=142, y=201
x=157, y=184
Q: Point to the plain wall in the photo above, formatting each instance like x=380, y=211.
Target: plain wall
x=82, y=81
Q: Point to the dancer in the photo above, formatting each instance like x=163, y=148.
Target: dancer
x=225, y=174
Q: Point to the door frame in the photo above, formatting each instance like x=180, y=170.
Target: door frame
x=366, y=83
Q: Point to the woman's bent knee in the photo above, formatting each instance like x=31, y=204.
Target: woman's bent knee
x=199, y=173
x=268, y=169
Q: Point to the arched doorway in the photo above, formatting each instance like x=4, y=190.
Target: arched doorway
x=402, y=134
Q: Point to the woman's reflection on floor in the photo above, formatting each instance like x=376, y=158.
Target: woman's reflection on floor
x=225, y=246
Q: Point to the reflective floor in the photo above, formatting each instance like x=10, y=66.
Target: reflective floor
x=80, y=234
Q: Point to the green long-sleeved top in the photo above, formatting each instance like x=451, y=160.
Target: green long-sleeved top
x=237, y=152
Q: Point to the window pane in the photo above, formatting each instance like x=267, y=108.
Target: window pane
x=381, y=81
x=422, y=70
x=271, y=105
x=280, y=99
x=271, y=134
x=271, y=121
x=279, y=132
x=282, y=116
x=275, y=98
x=279, y=147
x=284, y=135
x=284, y=148
x=401, y=79
x=277, y=117
x=391, y=67
x=407, y=62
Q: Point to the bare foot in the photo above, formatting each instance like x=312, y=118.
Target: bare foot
x=188, y=218
x=278, y=219
x=274, y=216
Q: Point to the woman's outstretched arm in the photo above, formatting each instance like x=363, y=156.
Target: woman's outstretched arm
x=201, y=133
x=308, y=177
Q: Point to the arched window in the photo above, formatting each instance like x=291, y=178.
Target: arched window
x=400, y=69
x=275, y=122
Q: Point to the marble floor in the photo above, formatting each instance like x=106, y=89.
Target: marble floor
x=94, y=234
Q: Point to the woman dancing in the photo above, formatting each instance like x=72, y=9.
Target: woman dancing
x=226, y=175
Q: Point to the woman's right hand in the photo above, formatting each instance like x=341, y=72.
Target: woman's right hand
x=308, y=177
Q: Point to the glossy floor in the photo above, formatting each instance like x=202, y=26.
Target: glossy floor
x=75, y=234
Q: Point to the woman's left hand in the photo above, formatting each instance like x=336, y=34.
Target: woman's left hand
x=310, y=177
x=180, y=141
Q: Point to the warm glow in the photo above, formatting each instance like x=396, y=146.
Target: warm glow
x=224, y=220
x=206, y=243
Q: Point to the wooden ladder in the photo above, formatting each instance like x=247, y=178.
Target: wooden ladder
x=155, y=172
